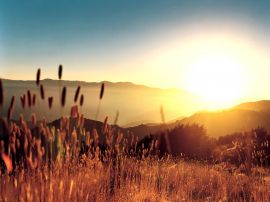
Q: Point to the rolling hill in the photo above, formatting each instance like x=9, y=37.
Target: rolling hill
x=259, y=106
x=218, y=123
x=243, y=117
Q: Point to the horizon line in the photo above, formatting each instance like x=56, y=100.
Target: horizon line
x=105, y=81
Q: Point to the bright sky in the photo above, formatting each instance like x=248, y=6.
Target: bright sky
x=199, y=46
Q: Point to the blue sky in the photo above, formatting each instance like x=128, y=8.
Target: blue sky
x=113, y=40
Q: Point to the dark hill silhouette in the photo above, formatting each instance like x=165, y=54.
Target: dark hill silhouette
x=139, y=131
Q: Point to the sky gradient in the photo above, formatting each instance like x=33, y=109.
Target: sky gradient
x=148, y=42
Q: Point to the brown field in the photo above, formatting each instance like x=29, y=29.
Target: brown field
x=135, y=180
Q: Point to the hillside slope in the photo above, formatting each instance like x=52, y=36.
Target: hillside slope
x=259, y=106
x=229, y=121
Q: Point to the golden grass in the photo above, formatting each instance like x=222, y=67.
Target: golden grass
x=134, y=180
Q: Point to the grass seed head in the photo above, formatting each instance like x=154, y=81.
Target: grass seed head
x=11, y=106
x=34, y=99
x=9, y=115
x=29, y=98
x=63, y=96
x=77, y=93
x=12, y=102
x=41, y=90
x=50, y=102
x=60, y=70
x=81, y=100
x=23, y=100
x=38, y=77
x=101, y=91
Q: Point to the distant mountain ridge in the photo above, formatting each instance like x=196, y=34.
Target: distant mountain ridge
x=119, y=84
x=135, y=103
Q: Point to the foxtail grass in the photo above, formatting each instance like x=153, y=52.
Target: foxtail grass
x=81, y=100
x=11, y=107
x=29, y=98
x=63, y=96
x=60, y=71
x=34, y=99
x=38, y=77
x=23, y=100
x=77, y=93
x=42, y=93
x=50, y=102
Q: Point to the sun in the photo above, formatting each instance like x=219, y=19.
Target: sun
x=217, y=79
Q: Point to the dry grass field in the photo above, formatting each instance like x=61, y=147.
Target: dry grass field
x=135, y=180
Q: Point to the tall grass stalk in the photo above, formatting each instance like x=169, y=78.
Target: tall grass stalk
x=60, y=72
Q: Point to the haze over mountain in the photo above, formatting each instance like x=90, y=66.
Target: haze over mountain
x=259, y=106
x=136, y=103
x=217, y=123
x=243, y=117
x=240, y=118
x=138, y=106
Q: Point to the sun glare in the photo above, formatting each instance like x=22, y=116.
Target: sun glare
x=217, y=79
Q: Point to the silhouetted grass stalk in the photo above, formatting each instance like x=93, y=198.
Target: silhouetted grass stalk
x=60, y=71
x=38, y=88
x=81, y=103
